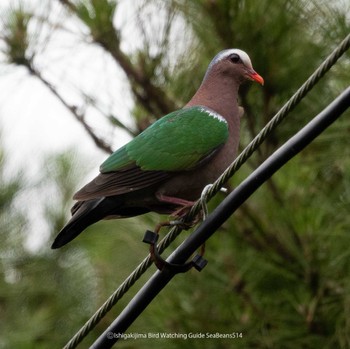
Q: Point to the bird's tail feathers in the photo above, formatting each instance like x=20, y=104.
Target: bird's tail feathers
x=85, y=213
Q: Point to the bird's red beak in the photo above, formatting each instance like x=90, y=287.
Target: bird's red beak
x=253, y=75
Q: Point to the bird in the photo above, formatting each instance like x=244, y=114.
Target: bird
x=165, y=168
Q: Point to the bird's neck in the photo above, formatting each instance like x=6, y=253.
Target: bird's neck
x=219, y=95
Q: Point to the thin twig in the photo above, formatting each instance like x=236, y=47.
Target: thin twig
x=100, y=143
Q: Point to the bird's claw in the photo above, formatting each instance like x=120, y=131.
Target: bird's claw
x=152, y=237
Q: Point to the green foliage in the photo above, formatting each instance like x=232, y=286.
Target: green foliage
x=34, y=285
x=8, y=218
x=57, y=170
x=98, y=16
x=16, y=36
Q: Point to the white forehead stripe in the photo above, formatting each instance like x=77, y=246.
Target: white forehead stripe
x=223, y=54
x=213, y=114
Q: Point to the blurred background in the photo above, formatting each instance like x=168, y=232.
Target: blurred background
x=79, y=78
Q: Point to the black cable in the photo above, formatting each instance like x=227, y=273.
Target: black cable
x=229, y=205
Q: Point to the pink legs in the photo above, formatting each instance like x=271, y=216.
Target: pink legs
x=175, y=201
x=184, y=205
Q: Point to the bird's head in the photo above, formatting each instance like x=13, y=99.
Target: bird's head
x=236, y=64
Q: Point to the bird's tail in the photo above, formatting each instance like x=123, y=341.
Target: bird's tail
x=85, y=213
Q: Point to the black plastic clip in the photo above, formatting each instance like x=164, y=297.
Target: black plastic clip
x=151, y=238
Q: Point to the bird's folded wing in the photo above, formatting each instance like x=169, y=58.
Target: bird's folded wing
x=180, y=141
x=120, y=182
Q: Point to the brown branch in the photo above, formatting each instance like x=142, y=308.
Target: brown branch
x=152, y=98
x=111, y=118
x=100, y=143
x=117, y=122
x=157, y=100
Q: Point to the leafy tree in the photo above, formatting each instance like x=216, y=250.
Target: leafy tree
x=278, y=270
x=33, y=312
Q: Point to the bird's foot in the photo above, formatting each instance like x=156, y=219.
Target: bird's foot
x=184, y=207
x=181, y=214
x=174, y=200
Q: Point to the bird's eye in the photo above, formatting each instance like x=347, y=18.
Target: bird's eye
x=234, y=58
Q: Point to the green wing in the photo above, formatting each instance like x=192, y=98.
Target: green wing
x=176, y=142
x=179, y=141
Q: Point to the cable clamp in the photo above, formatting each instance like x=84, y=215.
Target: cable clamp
x=151, y=238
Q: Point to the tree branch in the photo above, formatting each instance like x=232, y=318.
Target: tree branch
x=100, y=143
x=152, y=98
